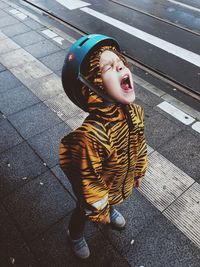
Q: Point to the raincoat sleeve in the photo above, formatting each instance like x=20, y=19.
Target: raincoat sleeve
x=81, y=159
x=141, y=164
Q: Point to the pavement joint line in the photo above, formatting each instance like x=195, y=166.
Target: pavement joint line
x=183, y=180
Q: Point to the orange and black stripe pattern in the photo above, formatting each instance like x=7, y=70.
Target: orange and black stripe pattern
x=103, y=159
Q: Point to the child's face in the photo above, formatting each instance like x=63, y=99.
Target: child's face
x=117, y=78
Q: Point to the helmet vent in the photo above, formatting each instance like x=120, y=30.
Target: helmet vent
x=83, y=42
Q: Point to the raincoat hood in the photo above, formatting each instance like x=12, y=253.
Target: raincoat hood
x=98, y=106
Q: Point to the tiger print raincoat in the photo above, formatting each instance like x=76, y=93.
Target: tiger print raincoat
x=104, y=158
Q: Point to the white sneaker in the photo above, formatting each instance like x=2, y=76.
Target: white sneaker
x=117, y=219
x=80, y=247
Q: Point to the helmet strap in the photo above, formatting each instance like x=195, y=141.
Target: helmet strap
x=95, y=89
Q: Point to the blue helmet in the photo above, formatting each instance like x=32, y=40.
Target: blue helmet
x=73, y=68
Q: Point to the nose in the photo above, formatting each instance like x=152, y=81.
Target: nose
x=119, y=66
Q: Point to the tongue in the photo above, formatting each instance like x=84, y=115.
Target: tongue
x=125, y=86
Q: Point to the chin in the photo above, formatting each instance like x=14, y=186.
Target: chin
x=129, y=100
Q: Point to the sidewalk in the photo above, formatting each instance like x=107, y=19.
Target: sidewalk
x=36, y=200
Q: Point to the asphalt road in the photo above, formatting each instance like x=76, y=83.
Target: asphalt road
x=163, y=35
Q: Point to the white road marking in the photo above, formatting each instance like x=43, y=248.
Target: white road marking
x=184, y=5
x=21, y=16
x=175, y=50
x=49, y=33
x=72, y=4
x=176, y=113
x=196, y=126
x=18, y=14
x=14, y=11
x=163, y=178
x=180, y=105
x=58, y=39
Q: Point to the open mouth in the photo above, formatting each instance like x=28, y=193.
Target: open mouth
x=126, y=83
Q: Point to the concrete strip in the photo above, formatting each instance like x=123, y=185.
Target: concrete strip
x=77, y=120
x=63, y=106
x=185, y=213
x=7, y=45
x=163, y=182
x=176, y=113
x=46, y=87
x=149, y=149
x=16, y=58
x=29, y=72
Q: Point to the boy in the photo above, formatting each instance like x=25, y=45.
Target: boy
x=106, y=157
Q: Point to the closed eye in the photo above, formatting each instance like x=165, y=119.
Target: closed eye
x=106, y=68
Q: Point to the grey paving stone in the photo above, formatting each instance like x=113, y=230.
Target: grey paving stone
x=9, y=136
x=54, y=61
x=2, y=116
x=7, y=20
x=43, y=48
x=63, y=179
x=58, y=72
x=2, y=68
x=28, y=38
x=146, y=96
x=3, y=5
x=33, y=24
x=18, y=165
x=12, y=245
x=162, y=244
x=8, y=81
x=138, y=213
x=53, y=249
x=17, y=99
x=47, y=143
x=34, y=120
x=39, y=204
x=2, y=13
x=15, y=29
x=184, y=151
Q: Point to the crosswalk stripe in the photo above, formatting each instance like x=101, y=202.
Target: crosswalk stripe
x=165, y=185
x=72, y=4
x=175, y=50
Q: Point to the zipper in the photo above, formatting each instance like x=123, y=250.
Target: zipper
x=127, y=172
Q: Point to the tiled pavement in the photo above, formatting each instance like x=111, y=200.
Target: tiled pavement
x=36, y=199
